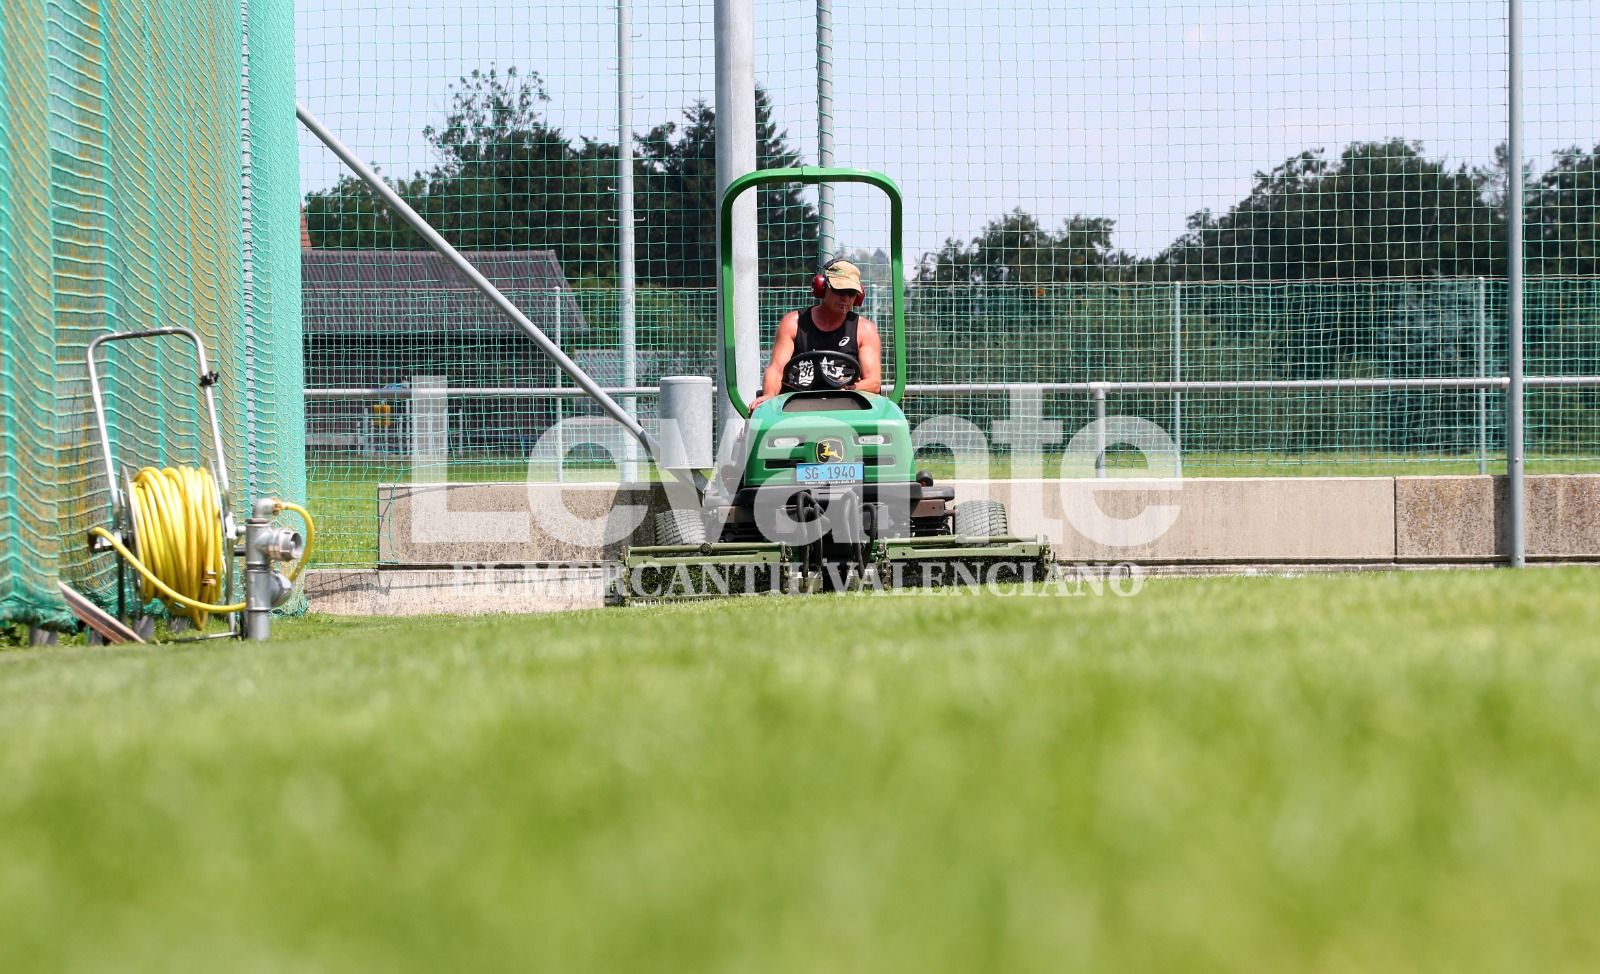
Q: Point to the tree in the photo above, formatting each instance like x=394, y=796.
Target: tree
x=1563, y=216
x=1380, y=210
x=348, y=216
x=508, y=180
x=511, y=181
x=678, y=174
x=1015, y=249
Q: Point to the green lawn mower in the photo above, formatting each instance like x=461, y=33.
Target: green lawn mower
x=827, y=497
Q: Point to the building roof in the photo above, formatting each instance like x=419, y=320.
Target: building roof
x=407, y=291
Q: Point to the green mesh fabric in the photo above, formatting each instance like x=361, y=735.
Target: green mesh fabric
x=270, y=350
x=123, y=207
x=28, y=466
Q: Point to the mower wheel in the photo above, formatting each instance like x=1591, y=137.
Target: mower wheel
x=680, y=527
x=981, y=519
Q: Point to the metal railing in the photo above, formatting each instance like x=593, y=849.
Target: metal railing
x=1098, y=390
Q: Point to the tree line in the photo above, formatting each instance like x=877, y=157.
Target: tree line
x=507, y=179
x=1377, y=210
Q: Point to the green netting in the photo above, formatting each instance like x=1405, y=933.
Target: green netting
x=28, y=500
x=122, y=207
x=272, y=353
x=1118, y=191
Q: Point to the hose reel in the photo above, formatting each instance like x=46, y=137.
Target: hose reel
x=175, y=528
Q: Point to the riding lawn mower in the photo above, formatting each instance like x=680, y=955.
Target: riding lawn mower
x=822, y=494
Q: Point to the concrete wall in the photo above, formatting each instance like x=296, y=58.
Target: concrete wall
x=448, y=524
x=469, y=590
x=1465, y=518
x=1242, y=519
x=1281, y=522
x=1203, y=520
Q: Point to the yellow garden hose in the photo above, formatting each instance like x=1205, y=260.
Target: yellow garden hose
x=178, y=524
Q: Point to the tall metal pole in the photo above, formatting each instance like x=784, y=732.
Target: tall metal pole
x=736, y=155
x=1514, y=413
x=625, y=228
x=825, y=238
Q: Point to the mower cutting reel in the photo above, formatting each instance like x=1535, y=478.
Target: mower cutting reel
x=825, y=497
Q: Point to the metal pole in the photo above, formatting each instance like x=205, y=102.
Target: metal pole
x=625, y=228
x=483, y=284
x=825, y=237
x=1483, y=393
x=736, y=155
x=1177, y=370
x=1514, y=412
x=1100, y=431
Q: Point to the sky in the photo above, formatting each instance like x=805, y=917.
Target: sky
x=1143, y=111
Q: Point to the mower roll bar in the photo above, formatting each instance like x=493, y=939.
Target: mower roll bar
x=812, y=175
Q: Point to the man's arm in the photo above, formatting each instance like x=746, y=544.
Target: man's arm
x=871, y=348
x=782, y=352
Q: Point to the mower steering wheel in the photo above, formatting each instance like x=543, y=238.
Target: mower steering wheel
x=824, y=370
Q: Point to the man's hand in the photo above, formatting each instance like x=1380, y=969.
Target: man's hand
x=758, y=401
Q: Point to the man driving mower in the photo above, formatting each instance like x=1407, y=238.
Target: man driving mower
x=828, y=345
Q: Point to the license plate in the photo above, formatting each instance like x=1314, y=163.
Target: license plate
x=828, y=473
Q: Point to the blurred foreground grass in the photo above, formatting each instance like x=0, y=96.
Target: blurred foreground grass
x=1354, y=773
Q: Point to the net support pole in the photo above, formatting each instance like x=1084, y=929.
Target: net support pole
x=736, y=155
x=1100, y=444
x=625, y=225
x=1177, y=369
x=826, y=243
x=1515, y=470
x=403, y=209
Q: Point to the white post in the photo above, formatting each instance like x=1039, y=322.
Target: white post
x=1514, y=414
x=736, y=155
x=625, y=228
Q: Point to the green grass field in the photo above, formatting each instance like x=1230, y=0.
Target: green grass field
x=1351, y=773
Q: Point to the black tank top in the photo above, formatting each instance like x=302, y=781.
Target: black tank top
x=809, y=338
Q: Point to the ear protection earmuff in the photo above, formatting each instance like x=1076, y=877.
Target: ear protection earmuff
x=819, y=284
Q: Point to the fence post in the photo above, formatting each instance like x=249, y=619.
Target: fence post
x=1177, y=370
x=1483, y=392
x=561, y=408
x=1099, y=430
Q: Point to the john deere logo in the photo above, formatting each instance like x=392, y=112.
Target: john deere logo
x=830, y=450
